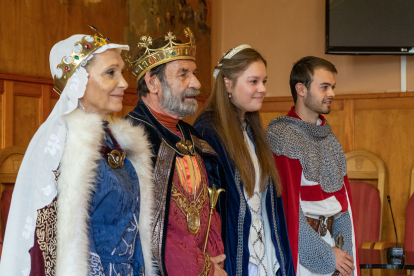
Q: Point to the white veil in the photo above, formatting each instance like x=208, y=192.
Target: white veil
x=35, y=185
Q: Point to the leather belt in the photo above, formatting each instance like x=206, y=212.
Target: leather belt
x=320, y=226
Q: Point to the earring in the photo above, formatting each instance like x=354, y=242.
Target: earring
x=230, y=95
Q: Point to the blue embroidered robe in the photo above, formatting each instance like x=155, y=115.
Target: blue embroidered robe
x=236, y=216
x=115, y=245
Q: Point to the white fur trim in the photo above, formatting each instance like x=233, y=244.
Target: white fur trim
x=134, y=141
x=75, y=185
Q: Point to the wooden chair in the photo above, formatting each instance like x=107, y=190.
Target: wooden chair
x=10, y=160
x=367, y=174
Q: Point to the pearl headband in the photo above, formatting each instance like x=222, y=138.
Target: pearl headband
x=229, y=56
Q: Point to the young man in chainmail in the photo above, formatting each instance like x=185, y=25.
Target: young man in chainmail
x=312, y=168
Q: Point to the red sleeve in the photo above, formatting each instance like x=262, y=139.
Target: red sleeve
x=290, y=172
x=36, y=259
x=183, y=259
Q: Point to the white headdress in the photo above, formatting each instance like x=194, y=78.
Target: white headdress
x=229, y=56
x=36, y=185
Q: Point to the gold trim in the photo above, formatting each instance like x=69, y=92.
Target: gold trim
x=203, y=145
x=184, y=203
x=167, y=144
x=46, y=235
x=87, y=48
x=162, y=172
x=154, y=57
x=142, y=121
x=161, y=62
x=207, y=265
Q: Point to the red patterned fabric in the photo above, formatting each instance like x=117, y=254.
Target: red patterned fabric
x=5, y=202
x=37, y=260
x=183, y=250
x=366, y=206
x=409, y=226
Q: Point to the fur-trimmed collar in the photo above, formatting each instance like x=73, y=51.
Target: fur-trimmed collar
x=76, y=184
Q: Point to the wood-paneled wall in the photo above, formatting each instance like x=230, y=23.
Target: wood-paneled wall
x=380, y=123
x=26, y=102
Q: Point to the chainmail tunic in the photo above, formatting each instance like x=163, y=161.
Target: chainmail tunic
x=343, y=224
x=314, y=253
x=316, y=147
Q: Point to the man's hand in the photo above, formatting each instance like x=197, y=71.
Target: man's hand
x=344, y=262
x=218, y=271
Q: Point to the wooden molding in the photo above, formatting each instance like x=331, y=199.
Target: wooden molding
x=7, y=115
x=27, y=89
x=349, y=96
x=23, y=78
x=349, y=125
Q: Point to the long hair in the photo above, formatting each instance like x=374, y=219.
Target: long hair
x=228, y=124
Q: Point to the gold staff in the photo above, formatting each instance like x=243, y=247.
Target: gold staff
x=213, y=195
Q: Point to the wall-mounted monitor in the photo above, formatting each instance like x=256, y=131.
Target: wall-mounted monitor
x=370, y=27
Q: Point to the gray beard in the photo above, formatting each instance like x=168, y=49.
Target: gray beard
x=176, y=105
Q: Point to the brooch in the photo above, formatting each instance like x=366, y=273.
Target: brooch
x=185, y=147
x=193, y=219
x=115, y=159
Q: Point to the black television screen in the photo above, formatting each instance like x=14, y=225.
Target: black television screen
x=370, y=27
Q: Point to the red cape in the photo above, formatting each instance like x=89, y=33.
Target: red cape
x=290, y=172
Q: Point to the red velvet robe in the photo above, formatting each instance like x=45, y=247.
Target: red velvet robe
x=290, y=172
x=183, y=250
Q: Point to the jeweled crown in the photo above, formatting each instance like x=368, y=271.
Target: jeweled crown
x=68, y=68
x=154, y=57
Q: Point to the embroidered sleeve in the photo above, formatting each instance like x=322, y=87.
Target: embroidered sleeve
x=43, y=252
x=208, y=266
x=96, y=268
x=95, y=264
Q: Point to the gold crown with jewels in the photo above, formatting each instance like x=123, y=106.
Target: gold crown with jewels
x=154, y=57
x=68, y=68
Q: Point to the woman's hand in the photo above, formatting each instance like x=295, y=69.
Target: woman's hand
x=218, y=270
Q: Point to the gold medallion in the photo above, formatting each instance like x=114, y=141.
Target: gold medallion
x=193, y=219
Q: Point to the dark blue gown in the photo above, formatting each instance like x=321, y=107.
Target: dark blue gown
x=236, y=217
x=115, y=246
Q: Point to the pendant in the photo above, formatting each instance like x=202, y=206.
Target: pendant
x=193, y=219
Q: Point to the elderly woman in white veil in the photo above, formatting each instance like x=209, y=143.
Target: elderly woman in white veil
x=83, y=196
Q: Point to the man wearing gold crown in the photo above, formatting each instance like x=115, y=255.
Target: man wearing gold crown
x=184, y=164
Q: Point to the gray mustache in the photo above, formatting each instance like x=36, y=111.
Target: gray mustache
x=190, y=92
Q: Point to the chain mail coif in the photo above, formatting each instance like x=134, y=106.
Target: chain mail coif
x=316, y=147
